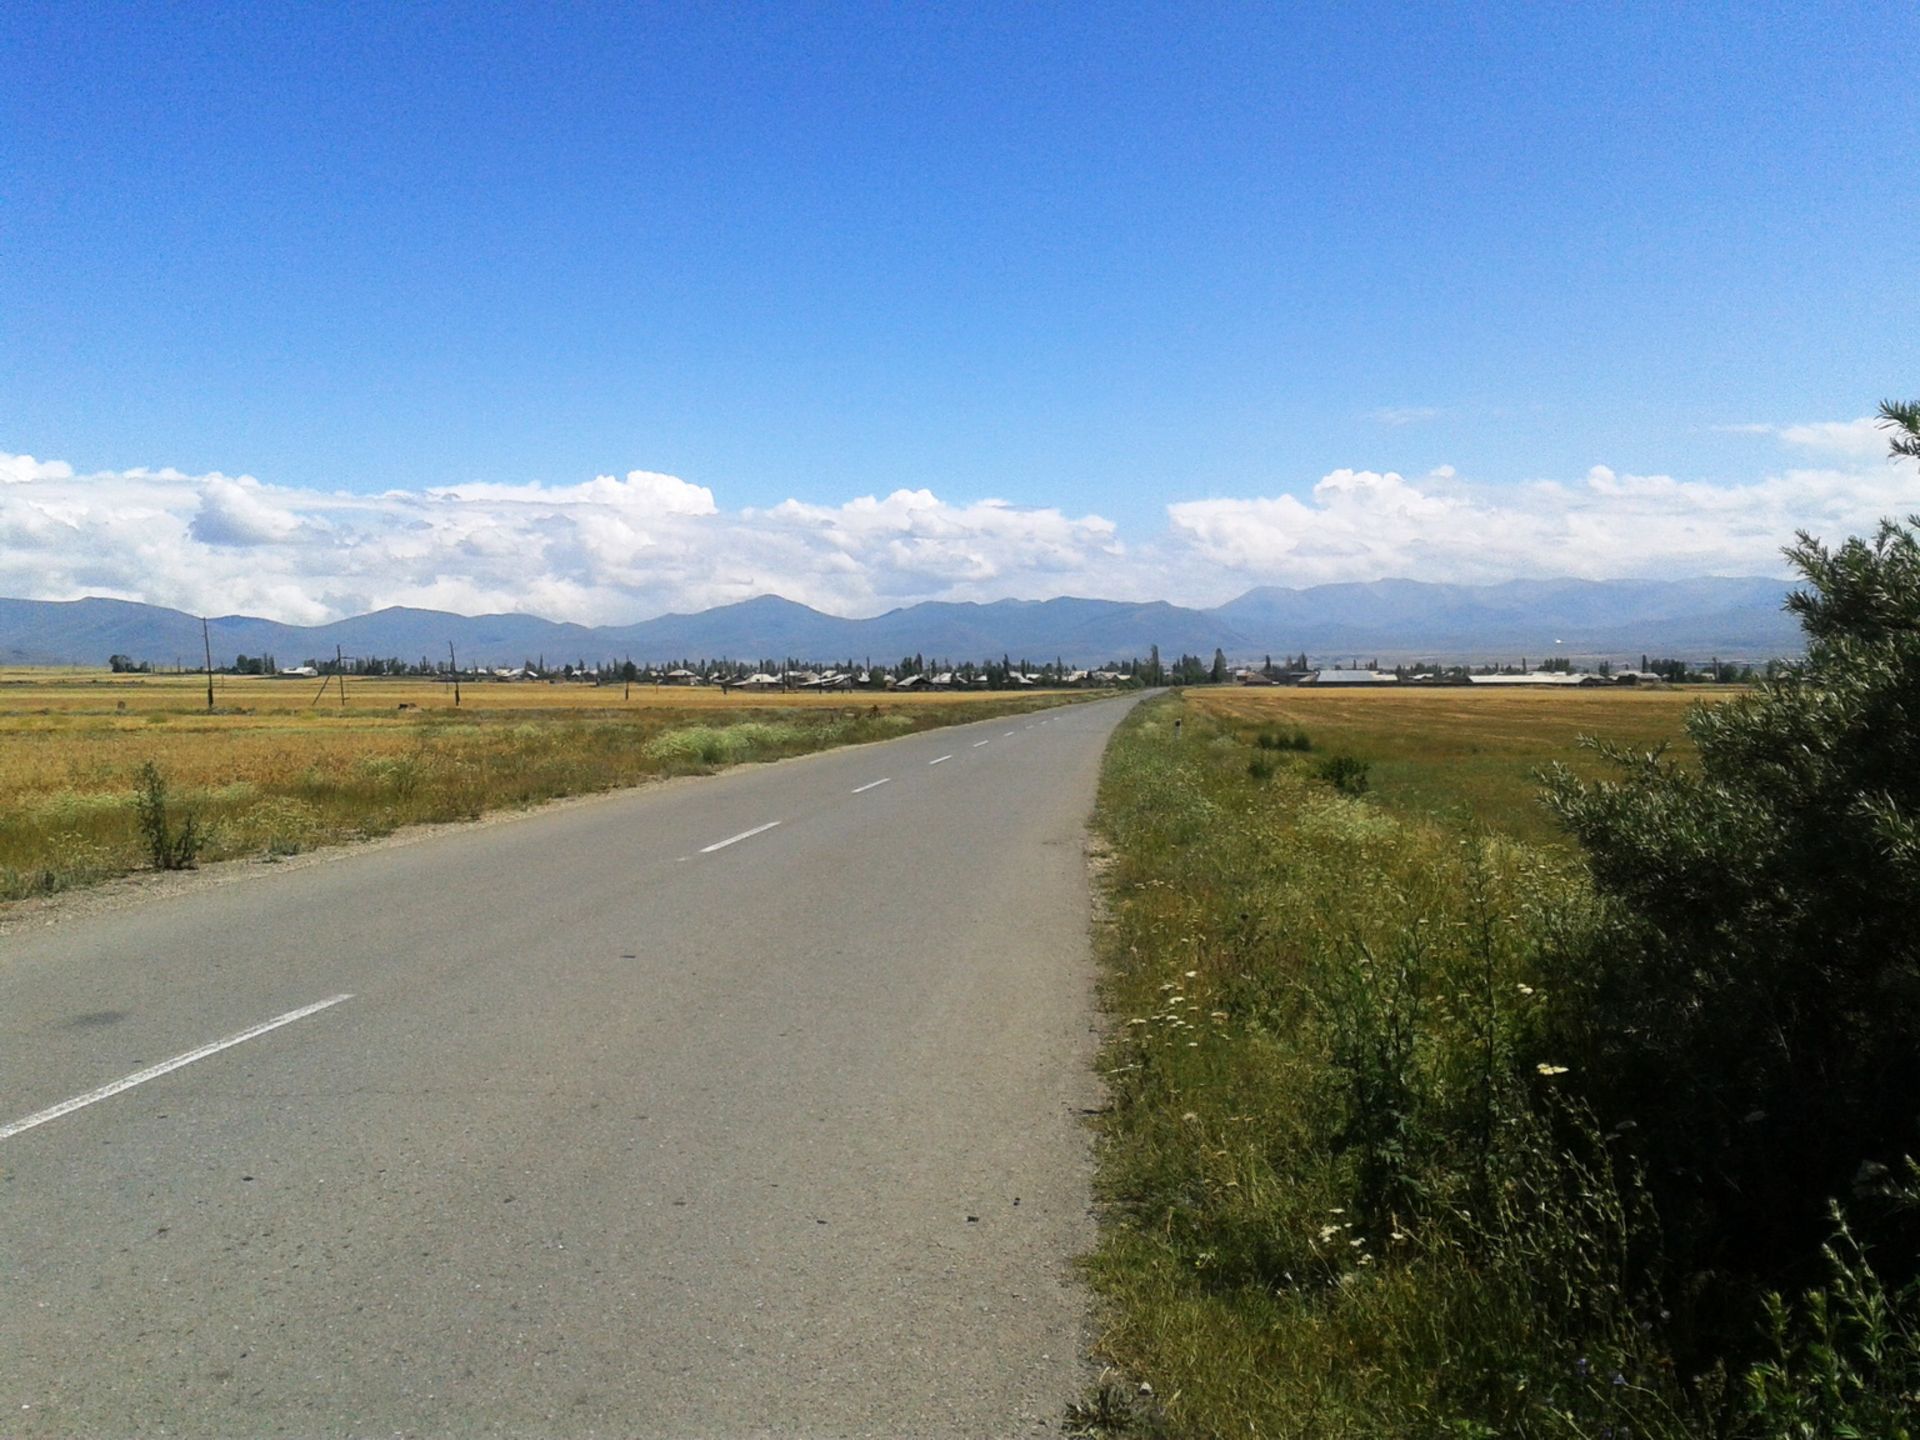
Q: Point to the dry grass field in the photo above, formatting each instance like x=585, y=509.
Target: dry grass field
x=89, y=691
x=1462, y=753
x=274, y=771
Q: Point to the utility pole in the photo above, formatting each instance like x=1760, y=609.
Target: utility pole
x=626, y=674
x=454, y=662
x=340, y=671
x=207, y=641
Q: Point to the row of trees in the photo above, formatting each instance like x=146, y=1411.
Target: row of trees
x=1712, y=672
x=996, y=675
x=1003, y=674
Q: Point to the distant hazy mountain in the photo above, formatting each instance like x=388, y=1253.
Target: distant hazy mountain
x=1734, y=618
x=1398, y=619
x=86, y=632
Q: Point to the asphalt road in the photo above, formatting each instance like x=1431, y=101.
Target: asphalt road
x=621, y=1130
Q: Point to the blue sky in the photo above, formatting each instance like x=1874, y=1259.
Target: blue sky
x=1089, y=261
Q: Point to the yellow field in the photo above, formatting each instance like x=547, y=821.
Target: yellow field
x=272, y=771
x=75, y=691
x=1465, y=753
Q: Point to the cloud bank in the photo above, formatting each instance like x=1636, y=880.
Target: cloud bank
x=606, y=551
x=615, y=549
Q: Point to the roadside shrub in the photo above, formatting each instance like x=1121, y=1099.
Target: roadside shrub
x=1747, y=1015
x=1279, y=740
x=1345, y=773
x=692, y=744
x=729, y=744
x=1260, y=768
x=167, y=848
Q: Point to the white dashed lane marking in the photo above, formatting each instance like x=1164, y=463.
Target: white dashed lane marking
x=736, y=839
x=154, y=1072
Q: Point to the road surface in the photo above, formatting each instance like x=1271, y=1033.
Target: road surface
x=743, y=1106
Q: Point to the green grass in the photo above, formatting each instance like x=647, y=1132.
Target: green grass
x=1329, y=1206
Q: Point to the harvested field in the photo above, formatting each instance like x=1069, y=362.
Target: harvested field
x=1462, y=753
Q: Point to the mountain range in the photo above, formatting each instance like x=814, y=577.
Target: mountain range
x=1733, y=618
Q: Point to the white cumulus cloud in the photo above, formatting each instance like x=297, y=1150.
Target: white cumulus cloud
x=613, y=549
x=1862, y=439
x=1362, y=525
x=233, y=512
x=606, y=550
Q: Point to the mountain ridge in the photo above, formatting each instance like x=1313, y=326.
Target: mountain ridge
x=1739, y=617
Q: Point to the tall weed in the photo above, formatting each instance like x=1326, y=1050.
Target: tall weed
x=167, y=847
x=1845, y=1361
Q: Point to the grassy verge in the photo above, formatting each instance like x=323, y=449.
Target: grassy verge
x=1340, y=1194
x=1348, y=1184
x=280, y=782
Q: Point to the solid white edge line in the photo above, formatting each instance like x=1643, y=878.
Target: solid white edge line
x=154, y=1072
x=736, y=839
x=942, y=758
x=871, y=784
